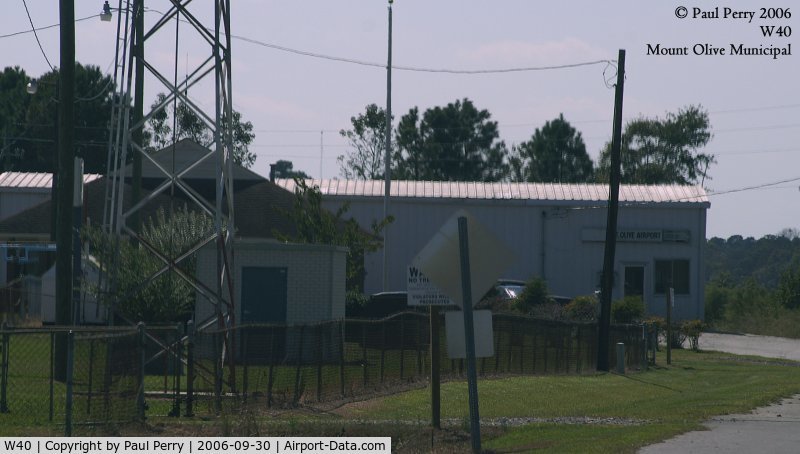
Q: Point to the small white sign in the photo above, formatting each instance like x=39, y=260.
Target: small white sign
x=482, y=327
x=422, y=292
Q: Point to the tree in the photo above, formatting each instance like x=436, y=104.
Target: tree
x=285, y=169
x=167, y=298
x=316, y=225
x=368, y=141
x=667, y=151
x=192, y=126
x=555, y=153
x=13, y=108
x=453, y=143
x=28, y=123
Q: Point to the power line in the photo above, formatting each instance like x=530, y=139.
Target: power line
x=759, y=186
x=33, y=28
x=759, y=128
x=417, y=68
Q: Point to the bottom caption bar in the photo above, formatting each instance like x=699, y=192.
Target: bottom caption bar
x=199, y=445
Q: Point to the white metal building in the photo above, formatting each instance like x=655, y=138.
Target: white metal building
x=557, y=231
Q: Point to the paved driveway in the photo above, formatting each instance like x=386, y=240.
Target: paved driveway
x=773, y=429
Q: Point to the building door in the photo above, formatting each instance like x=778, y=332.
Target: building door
x=264, y=294
x=634, y=280
x=264, y=299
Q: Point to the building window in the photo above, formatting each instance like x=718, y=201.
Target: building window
x=672, y=273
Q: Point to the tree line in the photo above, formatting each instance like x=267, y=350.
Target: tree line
x=455, y=142
x=753, y=285
x=460, y=142
x=28, y=122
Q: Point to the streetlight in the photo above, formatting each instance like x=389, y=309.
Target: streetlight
x=32, y=87
x=105, y=16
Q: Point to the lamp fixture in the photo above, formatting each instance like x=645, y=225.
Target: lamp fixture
x=105, y=16
x=32, y=87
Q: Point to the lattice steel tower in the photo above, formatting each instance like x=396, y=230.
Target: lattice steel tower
x=176, y=20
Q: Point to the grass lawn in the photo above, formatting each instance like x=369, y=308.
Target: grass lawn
x=665, y=401
x=586, y=413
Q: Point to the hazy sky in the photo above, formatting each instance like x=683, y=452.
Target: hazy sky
x=298, y=103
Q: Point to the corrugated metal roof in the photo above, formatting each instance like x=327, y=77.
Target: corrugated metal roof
x=34, y=180
x=580, y=192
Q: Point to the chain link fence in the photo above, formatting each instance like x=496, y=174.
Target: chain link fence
x=117, y=375
x=321, y=364
x=75, y=376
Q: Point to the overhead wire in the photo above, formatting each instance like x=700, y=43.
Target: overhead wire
x=36, y=35
x=34, y=30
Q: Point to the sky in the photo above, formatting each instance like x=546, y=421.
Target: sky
x=299, y=101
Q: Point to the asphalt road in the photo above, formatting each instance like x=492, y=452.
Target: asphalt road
x=772, y=429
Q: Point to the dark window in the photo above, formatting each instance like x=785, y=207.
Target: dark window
x=634, y=280
x=672, y=273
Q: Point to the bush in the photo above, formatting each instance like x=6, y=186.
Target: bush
x=692, y=329
x=496, y=304
x=355, y=302
x=534, y=294
x=627, y=310
x=582, y=308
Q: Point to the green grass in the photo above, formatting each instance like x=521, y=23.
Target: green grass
x=664, y=401
x=669, y=400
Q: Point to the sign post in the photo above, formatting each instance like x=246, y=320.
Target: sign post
x=422, y=292
x=460, y=238
x=436, y=400
x=469, y=336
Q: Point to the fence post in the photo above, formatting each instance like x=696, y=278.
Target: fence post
x=270, y=377
x=342, y=345
x=70, y=369
x=177, y=363
x=52, y=374
x=402, y=345
x=320, y=347
x=645, y=339
x=4, y=369
x=364, y=351
x=669, y=325
x=299, y=365
x=620, y=358
x=190, y=368
x=245, y=372
x=142, y=357
x=91, y=373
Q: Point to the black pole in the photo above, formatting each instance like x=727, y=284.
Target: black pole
x=65, y=170
x=138, y=109
x=469, y=336
x=611, y=224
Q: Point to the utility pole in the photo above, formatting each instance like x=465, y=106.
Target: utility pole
x=138, y=109
x=611, y=224
x=65, y=176
x=387, y=156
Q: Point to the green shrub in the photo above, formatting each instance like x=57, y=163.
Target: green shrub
x=692, y=330
x=582, y=308
x=628, y=309
x=534, y=294
x=355, y=302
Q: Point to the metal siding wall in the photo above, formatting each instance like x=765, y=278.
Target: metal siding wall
x=571, y=265
x=416, y=221
x=13, y=202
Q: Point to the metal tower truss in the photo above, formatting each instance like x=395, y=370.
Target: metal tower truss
x=123, y=147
